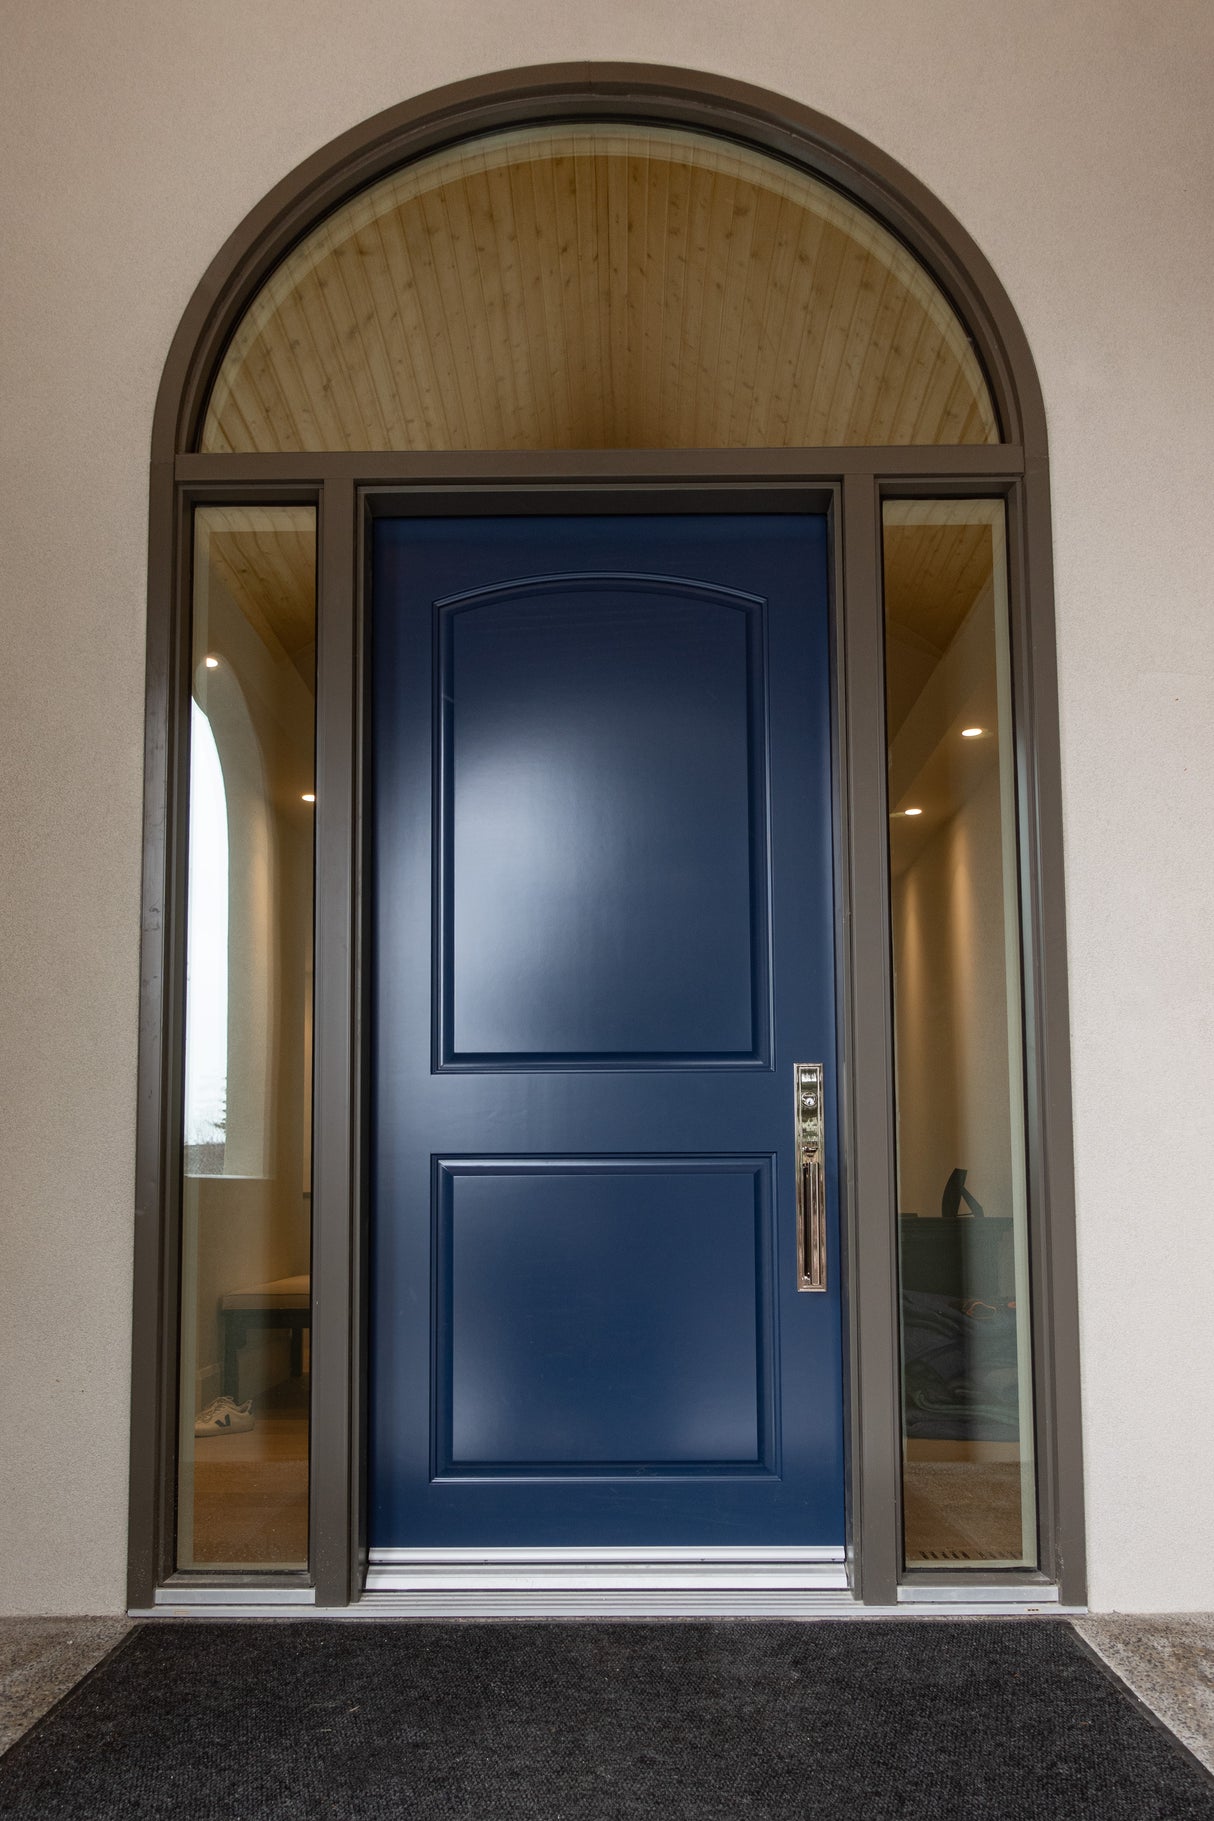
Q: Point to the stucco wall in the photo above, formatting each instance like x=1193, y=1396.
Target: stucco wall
x=1074, y=142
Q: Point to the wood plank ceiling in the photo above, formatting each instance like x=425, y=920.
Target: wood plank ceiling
x=945, y=591
x=936, y=565
x=598, y=287
x=265, y=557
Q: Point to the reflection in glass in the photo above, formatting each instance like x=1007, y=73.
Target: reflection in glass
x=598, y=286
x=246, y=1190
x=967, y=1392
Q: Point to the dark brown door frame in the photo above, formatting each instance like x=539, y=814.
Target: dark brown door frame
x=344, y=487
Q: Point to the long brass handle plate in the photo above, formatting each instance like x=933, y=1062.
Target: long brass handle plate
x=811, y=1177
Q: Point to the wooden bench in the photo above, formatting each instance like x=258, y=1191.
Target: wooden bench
x=285, y=1303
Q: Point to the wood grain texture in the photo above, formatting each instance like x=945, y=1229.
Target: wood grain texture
x=265, y=556
x=934, y=572
x=592, y=286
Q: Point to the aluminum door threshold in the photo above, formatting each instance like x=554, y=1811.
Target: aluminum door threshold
x=628, y=1582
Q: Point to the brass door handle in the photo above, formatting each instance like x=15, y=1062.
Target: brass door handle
x=811, y=1177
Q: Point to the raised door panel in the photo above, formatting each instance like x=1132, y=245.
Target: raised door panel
x=602, y=824
x=595, y=1314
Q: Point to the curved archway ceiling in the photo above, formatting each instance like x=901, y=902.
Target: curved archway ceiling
x=598, y=287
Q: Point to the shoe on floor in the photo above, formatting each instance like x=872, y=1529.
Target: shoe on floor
x=224, y=1416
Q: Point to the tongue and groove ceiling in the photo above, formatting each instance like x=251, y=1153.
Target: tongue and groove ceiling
x=598, y=287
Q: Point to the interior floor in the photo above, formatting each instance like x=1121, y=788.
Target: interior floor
x=251, y=1496
x=251, y=1489
x=961, y=1511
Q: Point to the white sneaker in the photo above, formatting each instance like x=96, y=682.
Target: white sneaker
x=224, y=1416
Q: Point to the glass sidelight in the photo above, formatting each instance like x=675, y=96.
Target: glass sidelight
x=968, y=1472
x=246, y=1188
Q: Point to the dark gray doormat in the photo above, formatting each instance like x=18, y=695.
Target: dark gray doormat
x=689, y=1721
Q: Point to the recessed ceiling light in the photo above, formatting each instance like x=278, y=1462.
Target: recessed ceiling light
x=309, y=796
x=912, y=812
x=972, y=733
x=212, y=663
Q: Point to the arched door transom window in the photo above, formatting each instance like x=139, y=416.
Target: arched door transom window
x=598, y=286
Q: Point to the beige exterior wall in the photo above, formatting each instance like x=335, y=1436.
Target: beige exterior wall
x=1074, y=142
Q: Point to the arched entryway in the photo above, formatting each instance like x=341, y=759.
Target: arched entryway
x=524, y=339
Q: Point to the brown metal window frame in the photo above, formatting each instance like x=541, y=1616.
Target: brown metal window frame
x=347, y=488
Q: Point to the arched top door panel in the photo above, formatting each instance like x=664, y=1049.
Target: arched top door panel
x=598, y=285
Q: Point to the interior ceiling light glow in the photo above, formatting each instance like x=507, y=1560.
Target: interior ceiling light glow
x=309, y=796
x=912, y=812
x=972, y=733
x=212, y=663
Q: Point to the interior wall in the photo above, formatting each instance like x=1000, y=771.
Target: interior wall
x=1074, y=141
x=252, y=1224
x=950, y=991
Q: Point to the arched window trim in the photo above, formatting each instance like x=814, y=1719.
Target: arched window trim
x=853, y=481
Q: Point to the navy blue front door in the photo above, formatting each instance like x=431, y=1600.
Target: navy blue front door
x=602, y=938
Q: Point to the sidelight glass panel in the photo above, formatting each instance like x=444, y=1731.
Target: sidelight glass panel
x=968, y=1477
x=246, y=1191
x=598, y=285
